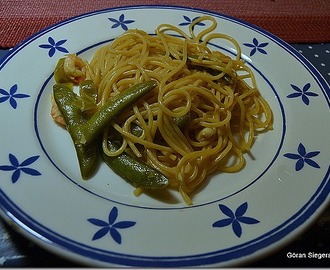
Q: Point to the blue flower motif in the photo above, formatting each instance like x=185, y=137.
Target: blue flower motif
x=52, y=46
x=256, y=46
x=20, y=167
x=188, y=21
x=12, y=95
x=110, y=226
x=121, y=22
x=303, y=157
x=304, y=93
x=235, y=219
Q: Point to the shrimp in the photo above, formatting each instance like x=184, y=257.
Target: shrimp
x=56, y=114
x=75, y=68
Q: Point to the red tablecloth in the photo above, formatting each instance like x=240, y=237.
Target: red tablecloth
x=292, y=20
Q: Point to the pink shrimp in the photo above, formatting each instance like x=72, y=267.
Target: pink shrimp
x=75, y=68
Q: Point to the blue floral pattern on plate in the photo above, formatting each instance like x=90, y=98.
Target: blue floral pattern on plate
x=110, y=226
x=303, y=157
x=121, y=22
x=11, y=96
x=52, y=46
x=304, y=93
x=188, y=21
x=18, y=167
x=235, y=218
x=256, y=46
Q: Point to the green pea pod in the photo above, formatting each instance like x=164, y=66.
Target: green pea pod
x=114, y=106
x=59, y=74
x=88, y=90
x=87, y=99
x=181, y=122
x=84, y=105
x=228, y=78
x=134, y=171
x=87, y=154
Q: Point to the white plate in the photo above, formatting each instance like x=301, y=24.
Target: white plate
x=236, y=218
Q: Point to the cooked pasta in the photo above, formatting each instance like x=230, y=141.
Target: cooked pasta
x=216, y=93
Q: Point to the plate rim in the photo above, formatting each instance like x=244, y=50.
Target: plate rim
x=319, y=202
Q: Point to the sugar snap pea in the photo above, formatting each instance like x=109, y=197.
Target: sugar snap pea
x=228, y=78
x=59, y=75
x=87, y=99
x=88, y=90
x=114, y=106
x=180, y=121
x=134, y=171
x=87, y=154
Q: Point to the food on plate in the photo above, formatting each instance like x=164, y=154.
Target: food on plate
x=163, y=110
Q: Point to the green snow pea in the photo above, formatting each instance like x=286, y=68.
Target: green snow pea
x=74, y=118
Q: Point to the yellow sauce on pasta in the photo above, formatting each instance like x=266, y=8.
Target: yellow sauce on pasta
x=219, y=93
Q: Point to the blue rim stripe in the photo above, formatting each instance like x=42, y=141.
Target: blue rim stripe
x=277, y=234
x=201, y=259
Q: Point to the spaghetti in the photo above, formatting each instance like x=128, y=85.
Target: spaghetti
x=217, y=94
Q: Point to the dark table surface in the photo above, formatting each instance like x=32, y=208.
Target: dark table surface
x=16, y=251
